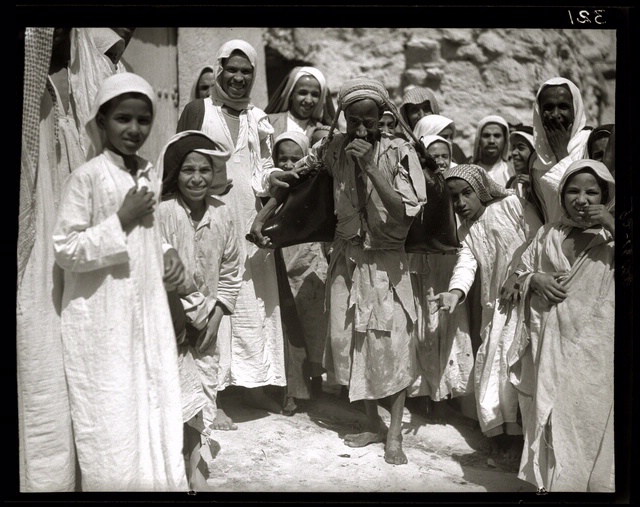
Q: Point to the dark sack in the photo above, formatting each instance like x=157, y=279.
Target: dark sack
x=306, y=215
x=434, y=229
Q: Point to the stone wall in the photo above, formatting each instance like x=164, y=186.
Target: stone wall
x=473, y=72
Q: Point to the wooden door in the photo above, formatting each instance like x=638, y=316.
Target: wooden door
x=152, y=54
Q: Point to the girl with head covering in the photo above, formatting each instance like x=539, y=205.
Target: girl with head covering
x=522, y=153
x=444, y=341
x=496, y=226
x=435, y=124
x=120, y=354
x=491, y=148
x=229, y=117
x=559, y=137
x=597, y=142
x=563, y=354
x=388, y=122
x=301, y=102
x=200, y=228
x=302, y=278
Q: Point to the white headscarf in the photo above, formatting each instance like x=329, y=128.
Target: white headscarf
x=280, y=103
x=543, y=150
x=218, y=95
x=111, y=87
x=499, y=120
x=194, y=89
x=429, y=140
x=432, y=125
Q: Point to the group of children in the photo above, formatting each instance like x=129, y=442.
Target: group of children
x=152, y=255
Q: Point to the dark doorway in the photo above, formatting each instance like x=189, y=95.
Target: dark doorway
x=278, y=67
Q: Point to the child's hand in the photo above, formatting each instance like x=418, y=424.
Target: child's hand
x=445, y=301
x=173, y=270
x=281, y=178
x=211, y=333
x=137, y=204
x=523, y=179
x=509, y=293
x=548, y=286
x=598, y=213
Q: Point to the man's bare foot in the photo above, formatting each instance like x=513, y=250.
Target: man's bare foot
x=393, y=452
x=365, y=438
x=513, y=450
x=290, y=407
x=491, y=445
x=256, y=397
x=223, y=422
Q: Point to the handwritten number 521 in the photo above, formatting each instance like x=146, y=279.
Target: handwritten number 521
x=587, y=17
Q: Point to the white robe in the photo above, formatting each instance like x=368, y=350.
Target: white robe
x=257, y=355
x=119, y=347
x=494, y=243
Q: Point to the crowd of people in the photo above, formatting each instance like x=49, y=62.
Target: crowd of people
x=146, y=288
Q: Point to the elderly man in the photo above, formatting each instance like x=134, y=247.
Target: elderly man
x=559, y=137
x=378, y=189
x=491, y=148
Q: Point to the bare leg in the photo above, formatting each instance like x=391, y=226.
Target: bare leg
x=393, y=449
x=513, y=449
x=258, y=398
x=197, y=469
x=377, y=429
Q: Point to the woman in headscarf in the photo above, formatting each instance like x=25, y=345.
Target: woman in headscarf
x=522, y=152
x=491, y=148
x=417, y=103
x=301, y=102
x=597, y=142
x=559, y=137
x=199, y=226
x=201, y=88
x=444, y=343
x=119, y=344
x=496, y=226
x=228, y=116
x=563, y=354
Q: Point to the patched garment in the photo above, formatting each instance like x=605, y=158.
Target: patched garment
x=370, y=345
x=209, y=253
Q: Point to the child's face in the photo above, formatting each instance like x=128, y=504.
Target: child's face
x=520, y=153
x=447, y=134
x=127, y=125
x=440, y=153
x=195, y=177
x=387, y=124
x=288, y=154
x=598, y=147
x=304, y=97
x=579, y=192
x=466, y=202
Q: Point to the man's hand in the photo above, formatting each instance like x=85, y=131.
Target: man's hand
x=558, y=136
x=363, y=151
x=282, y=178
x=173, y=270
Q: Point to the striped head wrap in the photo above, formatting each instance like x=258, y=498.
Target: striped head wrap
x=416, y=96
x=487, y=189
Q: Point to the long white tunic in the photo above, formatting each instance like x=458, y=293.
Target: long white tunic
x=494, y=244
x=119, y=347
x=257, y=355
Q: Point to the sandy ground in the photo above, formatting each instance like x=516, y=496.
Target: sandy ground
x=305, y=453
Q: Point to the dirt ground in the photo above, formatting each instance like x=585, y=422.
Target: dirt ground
x=305, y=453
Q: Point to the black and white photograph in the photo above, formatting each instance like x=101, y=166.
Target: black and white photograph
x=323, y=253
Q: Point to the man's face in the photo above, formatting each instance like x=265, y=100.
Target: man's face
x=491, y=142
x=237, y=76
x=556, y=103
x=362, y=119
